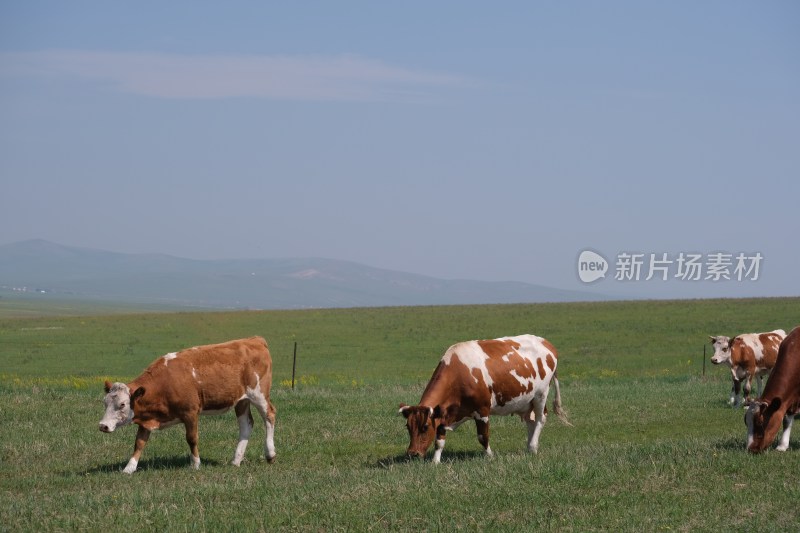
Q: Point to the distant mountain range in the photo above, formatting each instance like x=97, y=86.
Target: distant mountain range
x=45, y=267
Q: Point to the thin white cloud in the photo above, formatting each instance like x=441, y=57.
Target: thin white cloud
x=321, y=78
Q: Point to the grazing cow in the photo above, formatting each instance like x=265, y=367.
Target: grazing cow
x=748, y=355
x=780, y=401
x=475, y=379
x=178, y=387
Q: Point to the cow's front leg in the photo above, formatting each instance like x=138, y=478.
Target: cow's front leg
x=441, y=434
x=191, y=439
x=245, y=428
x=138, y=446
x=783, y=445
x=482, y=425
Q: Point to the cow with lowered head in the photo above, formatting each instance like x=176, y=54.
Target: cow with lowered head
x=475, y=379
x=178, y=387
x=780, y=401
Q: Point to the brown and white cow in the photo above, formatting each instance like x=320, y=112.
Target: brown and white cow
x=748, y=355
x=780, y=401
x=475, y=379
x=178, y=387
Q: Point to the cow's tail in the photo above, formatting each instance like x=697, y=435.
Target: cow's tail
x=557, y=407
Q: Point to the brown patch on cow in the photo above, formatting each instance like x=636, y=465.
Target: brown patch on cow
x=541, y=368
x=495, y=348
x=551, y=363
x=742, y=356
x=550, y=348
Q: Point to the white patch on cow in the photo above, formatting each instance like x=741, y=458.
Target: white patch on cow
x=752, y=341
x=169, y=357
x=194, y=375
x=195, y=462
x=472, y=356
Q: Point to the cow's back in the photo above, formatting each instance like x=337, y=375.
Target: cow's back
x=214, y=375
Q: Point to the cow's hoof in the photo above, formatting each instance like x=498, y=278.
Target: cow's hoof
x=271, y=460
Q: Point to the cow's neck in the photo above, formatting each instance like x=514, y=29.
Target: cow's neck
x=439, y=392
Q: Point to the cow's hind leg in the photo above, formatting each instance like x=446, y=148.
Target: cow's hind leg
x=267, y=412
x=245, y=429
x=535, y=422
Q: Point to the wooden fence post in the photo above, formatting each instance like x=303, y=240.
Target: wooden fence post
x=704, y=360
x=294, y=362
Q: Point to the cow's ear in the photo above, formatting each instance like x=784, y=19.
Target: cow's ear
x=437, y=412
x=107, y=386
x=404, y=410
x=138, y=393
x=713, y=339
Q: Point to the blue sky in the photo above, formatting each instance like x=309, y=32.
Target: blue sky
x=448, y=139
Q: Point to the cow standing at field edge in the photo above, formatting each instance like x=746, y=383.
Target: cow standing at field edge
x=178, y=387
x=780, y=401
x=748, y=355
x=475, y=379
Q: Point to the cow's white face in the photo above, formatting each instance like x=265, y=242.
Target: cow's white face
x=118, y=407
x=722, y=350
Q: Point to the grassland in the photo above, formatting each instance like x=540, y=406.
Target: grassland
x=654, y=445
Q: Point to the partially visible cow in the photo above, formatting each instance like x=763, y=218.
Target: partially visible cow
x=475, y=379
x=780, y=401
x=748, y=355
x=178, y=387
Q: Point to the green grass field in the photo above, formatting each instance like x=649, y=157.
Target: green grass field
x=654, y=445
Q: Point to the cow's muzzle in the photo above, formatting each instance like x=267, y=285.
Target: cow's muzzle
x=106, y=429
